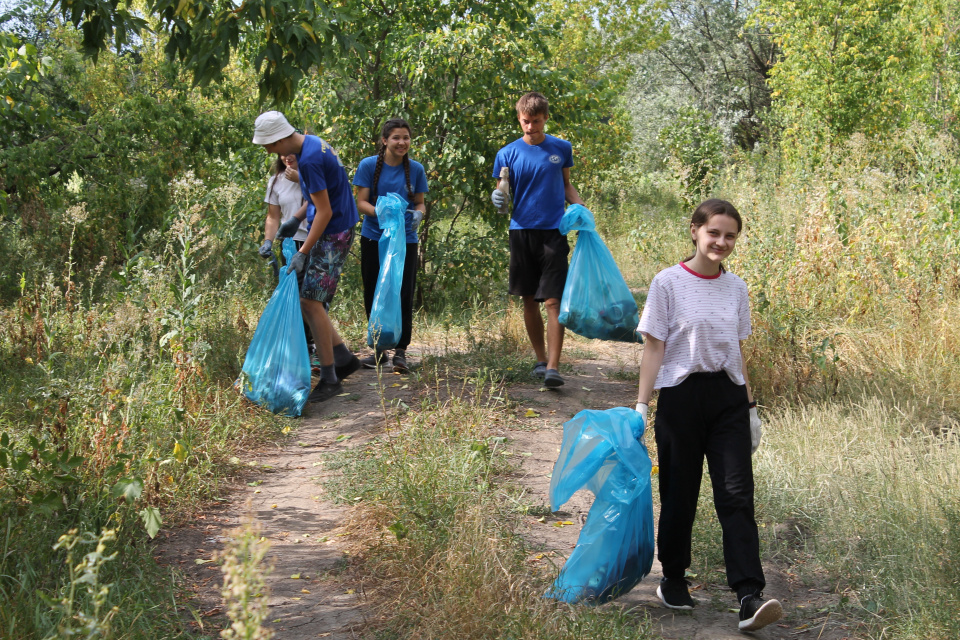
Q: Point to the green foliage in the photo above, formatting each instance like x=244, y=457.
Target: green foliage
x=870, y=66
x=694, y=150
x=715, y=62
x=21, y=67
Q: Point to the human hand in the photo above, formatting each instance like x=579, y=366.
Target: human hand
x=266, y=249
x=413, y=218
x=499, y=199
x=297, y=263
x=755, y=429
x=291, y=174
x=642, y=410
x=288, y=228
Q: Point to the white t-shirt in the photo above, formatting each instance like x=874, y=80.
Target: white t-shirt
x=289, y=198
x=700, y=319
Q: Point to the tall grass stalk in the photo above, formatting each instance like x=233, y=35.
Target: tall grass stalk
x=879, y=494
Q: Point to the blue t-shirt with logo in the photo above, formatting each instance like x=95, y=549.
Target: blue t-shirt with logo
x=536, y=181
x=320, y=168
x=392, y=180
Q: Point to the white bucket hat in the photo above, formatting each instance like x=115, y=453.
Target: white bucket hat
x=270, y=127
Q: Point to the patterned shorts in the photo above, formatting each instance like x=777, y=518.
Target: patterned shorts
x=326, y=264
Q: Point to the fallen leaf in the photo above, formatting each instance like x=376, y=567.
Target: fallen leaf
x=285, y=430
x=340, y=395
x=296, y=598
x=350, y=592
x=304, y=591
x=586, y=389
x=542, y=519
x=395, y=384
x=295, y=576
x=531, y=414
x=273, y=506
x=201, y=561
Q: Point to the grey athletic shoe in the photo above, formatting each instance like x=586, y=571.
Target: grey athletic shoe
x=552, y=379
x=539, y=370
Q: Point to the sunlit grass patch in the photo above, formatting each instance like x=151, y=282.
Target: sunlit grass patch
x=438, y=526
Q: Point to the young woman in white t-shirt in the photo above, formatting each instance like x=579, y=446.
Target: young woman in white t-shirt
x=694, y=319
x=284, y=199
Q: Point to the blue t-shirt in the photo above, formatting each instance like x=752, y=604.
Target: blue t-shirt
x=392, y=180
x=536, y=181
x=320, y=168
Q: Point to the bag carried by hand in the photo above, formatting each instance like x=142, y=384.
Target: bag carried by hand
x=276, y=370
x=596, y=301
x=604, y=452
x=385, y=326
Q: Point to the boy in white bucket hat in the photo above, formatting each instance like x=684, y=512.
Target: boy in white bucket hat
x=331, y=212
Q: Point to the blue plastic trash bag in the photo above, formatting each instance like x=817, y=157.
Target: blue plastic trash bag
x=383, y=331
x=596, y=301
x=604, y=452
x=276, y=370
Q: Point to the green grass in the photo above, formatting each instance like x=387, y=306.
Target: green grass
x=440, y=522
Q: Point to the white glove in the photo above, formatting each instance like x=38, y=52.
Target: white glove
x=642, y=410
x=499, y=198
x=755, y=430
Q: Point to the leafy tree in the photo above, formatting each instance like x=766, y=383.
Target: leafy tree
x=866, y=66
x=715, y=61
x=112, y=135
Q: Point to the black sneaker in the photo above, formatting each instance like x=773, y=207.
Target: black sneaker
x=400, y=361
x=674, y=594
x=347, y=369
x=324, y=391
x=552, y=379
x=756, y=613
x=374, y=361
x=539, y=370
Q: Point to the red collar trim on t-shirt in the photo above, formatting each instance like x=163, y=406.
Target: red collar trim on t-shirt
x=700, y=275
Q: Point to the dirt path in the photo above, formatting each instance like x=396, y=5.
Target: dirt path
x=310, y=597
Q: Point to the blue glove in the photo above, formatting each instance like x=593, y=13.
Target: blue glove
x=288, y=228
x=413, y=218
x=499, y=198
x=266, y=249
x=297, y=263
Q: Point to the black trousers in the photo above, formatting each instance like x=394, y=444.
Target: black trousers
x=706, y=415
x=370, y=272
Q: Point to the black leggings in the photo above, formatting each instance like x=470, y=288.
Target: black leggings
x=706, y=415
x=370, y=272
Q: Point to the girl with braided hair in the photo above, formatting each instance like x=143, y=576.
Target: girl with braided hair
x=390, y=171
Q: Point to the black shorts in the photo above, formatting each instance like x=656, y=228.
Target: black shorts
x=538, y=263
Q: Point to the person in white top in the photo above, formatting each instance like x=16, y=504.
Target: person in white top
x=284, y=200
x=694, y=319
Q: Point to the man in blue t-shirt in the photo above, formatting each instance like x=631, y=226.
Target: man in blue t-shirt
x=539, y=166
x=332, y=214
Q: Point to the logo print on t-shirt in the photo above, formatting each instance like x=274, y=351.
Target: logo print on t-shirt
x=555, y=159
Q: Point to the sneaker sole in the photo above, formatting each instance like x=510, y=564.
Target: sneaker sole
x=553, y=383
x=681, y=607
x=768, y=613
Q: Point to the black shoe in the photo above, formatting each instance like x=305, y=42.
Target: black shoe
x=552, y=379
x=539, y=370
x=756, y=613
x=375, y=361
x=400, y=361
x=674, y=594
x=347, y=369
x=324, y=391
